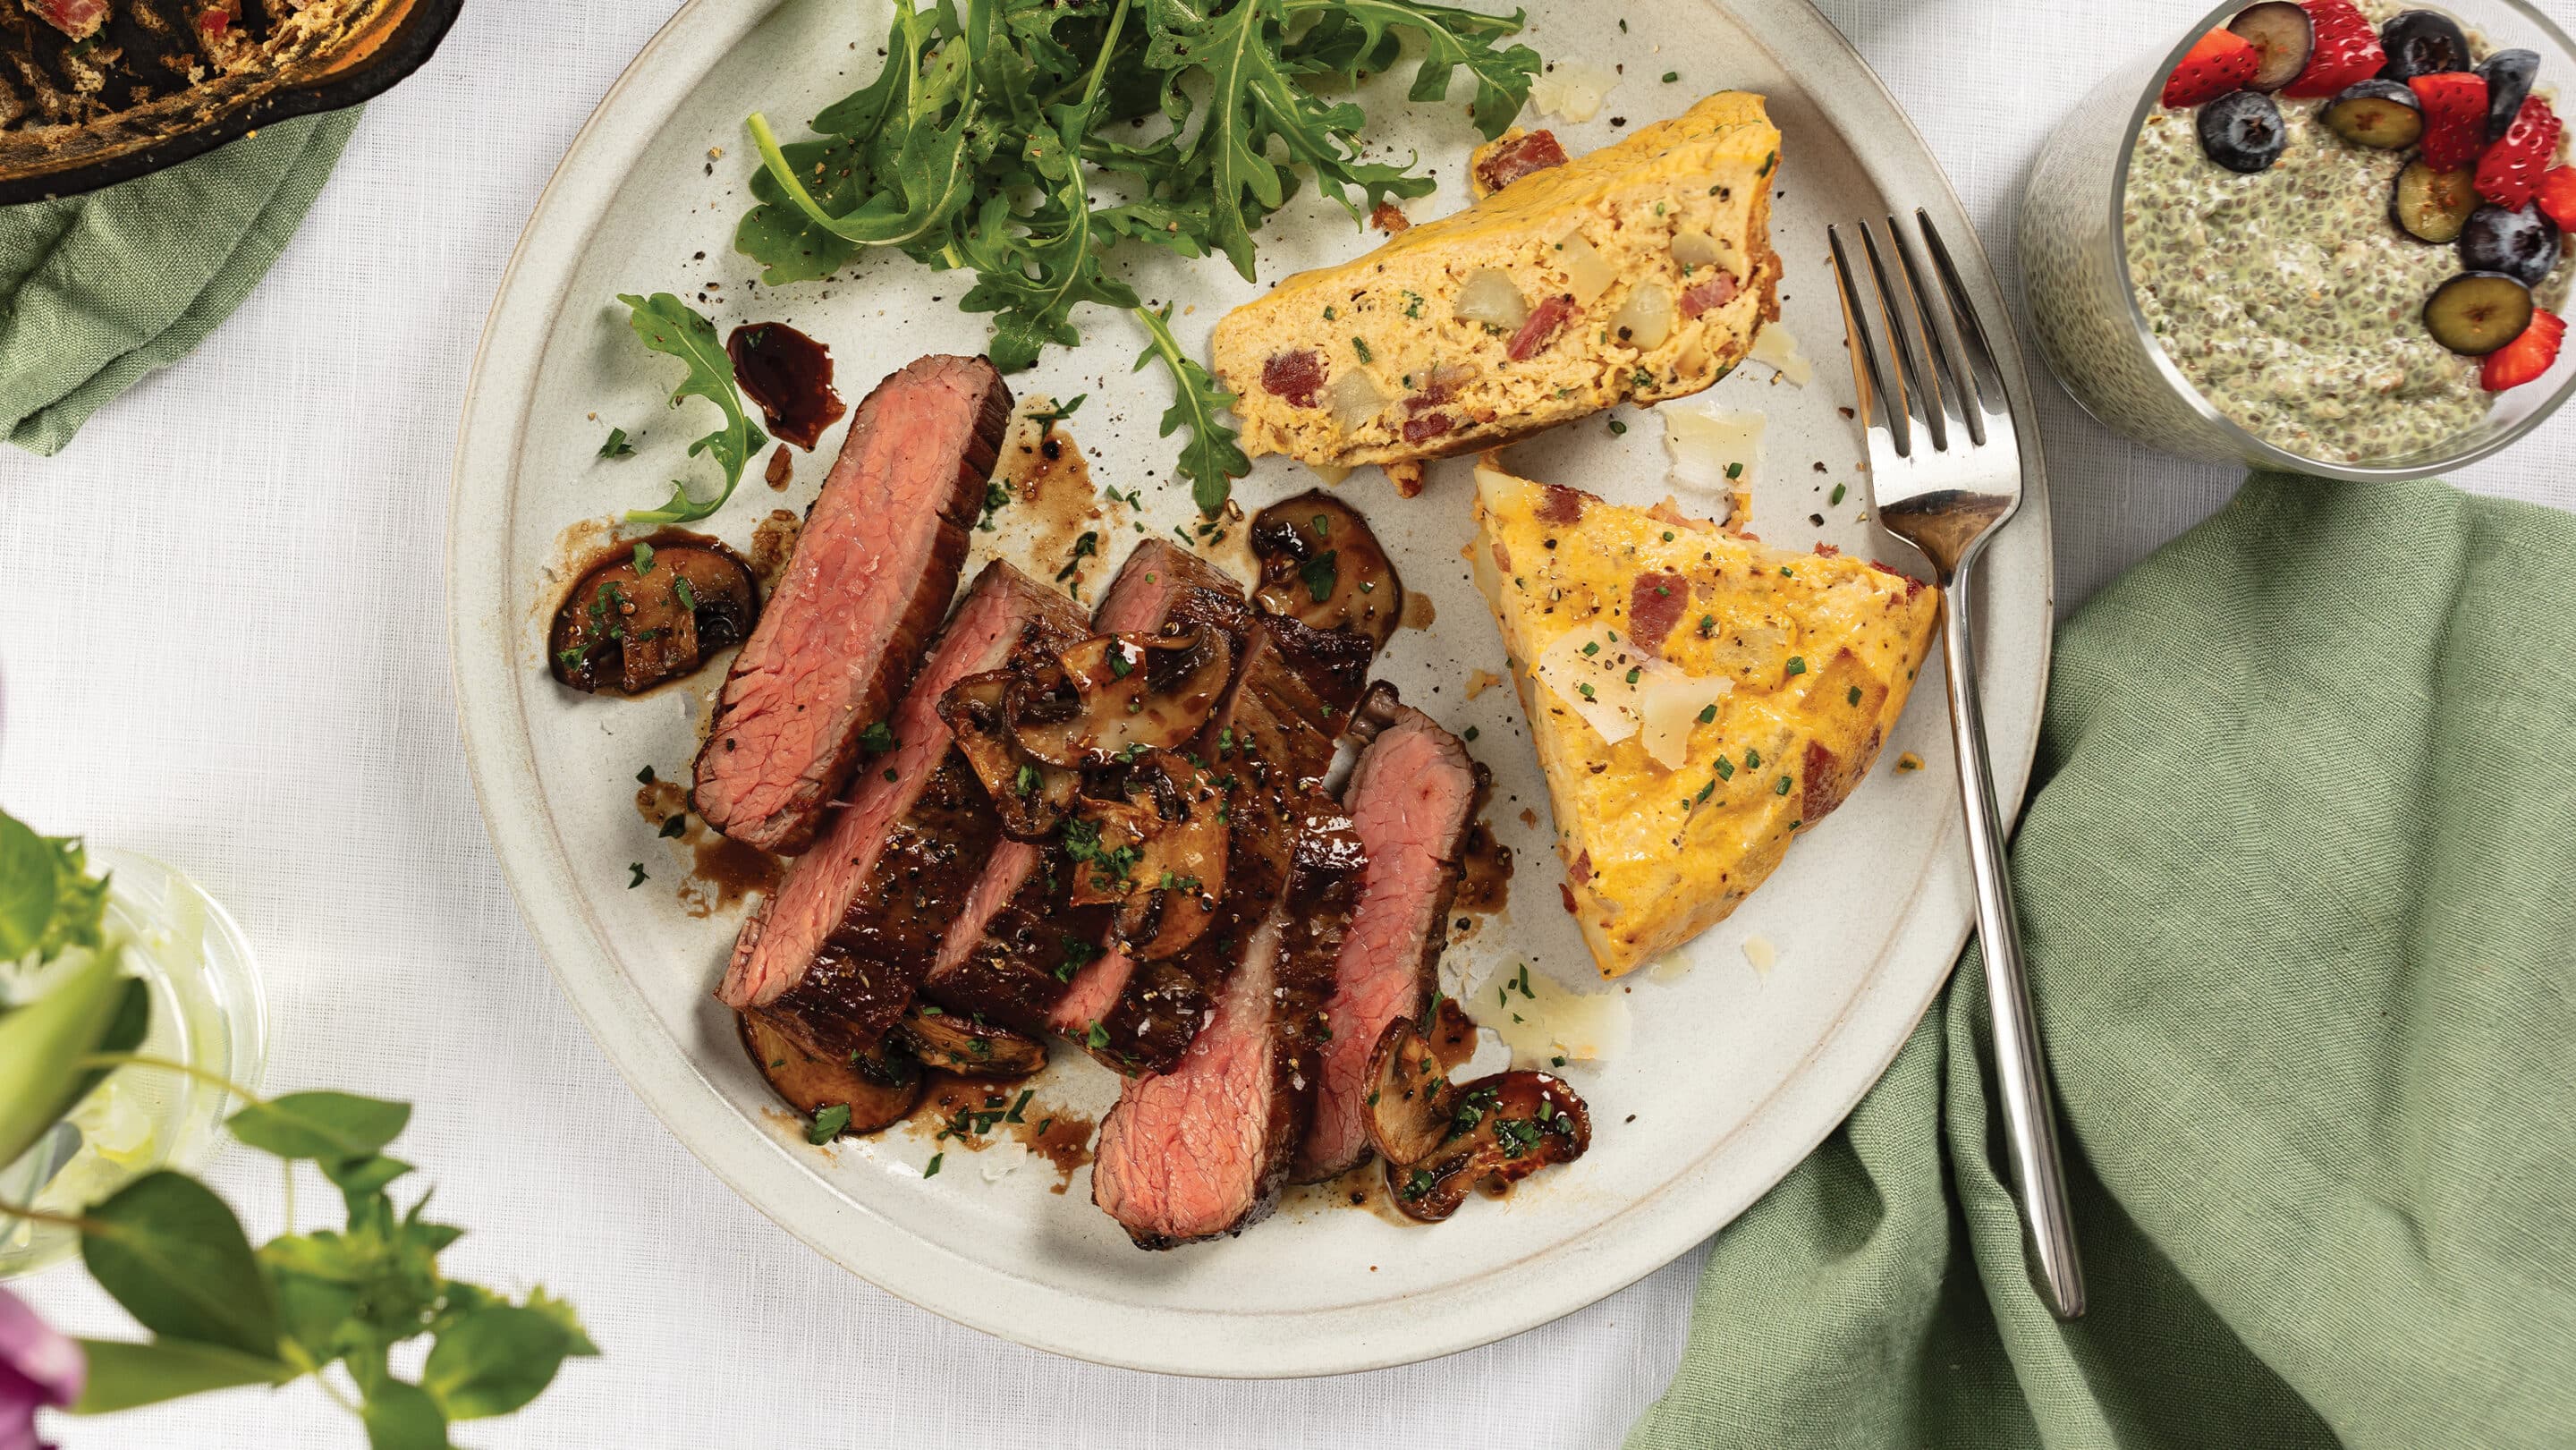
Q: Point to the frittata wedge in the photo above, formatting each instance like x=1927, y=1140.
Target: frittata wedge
x=1697, y=698
x=1636, y=273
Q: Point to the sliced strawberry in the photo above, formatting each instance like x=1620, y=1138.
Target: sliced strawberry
x=2527, y=357
x=2347, y=49
x=2558, y=196
x=2455, y=117
x=2510, y=171
x=2222, y=61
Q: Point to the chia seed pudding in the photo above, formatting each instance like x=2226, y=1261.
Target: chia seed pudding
x=2290, y=298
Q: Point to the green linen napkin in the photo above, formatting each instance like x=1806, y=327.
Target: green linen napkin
x=97, y=290
x=2299, y=886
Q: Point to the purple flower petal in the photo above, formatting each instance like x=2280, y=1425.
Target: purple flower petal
x=37, y=1367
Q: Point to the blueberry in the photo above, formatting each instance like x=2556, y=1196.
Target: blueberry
x=2521, y=244
x=2422, y=43
x=2242, y=131
x=2475, y=313
x=2382, y=115
x=2508, y=74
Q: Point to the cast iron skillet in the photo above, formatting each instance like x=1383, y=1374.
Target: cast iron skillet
x=146, y=90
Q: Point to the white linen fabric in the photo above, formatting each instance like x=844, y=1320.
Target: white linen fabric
x=223, y=641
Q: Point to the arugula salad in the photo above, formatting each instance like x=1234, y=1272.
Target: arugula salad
x=1027, y=140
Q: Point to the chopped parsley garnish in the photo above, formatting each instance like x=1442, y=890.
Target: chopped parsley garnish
x=1470, y=735
x=1854, y=696
x=688, y=597
x=644, y=776
x=1412, y=305
x=643, y=557
x=1704, y=792
x=1097, y=1038
x=1797, y=664
x=1517, y=1135
x=1585, y=690
x=1083, y=548
x=1617, y=428
x=1360, y=345
x=616, y=446
x=1707, y=625
x=676, y=826
x=1837, y=495
x=1119, y=665
x=997, y=496
x=1671, y=76
x=931, y=1169
x=1725, y=768
x=1734, y=471
x=1707, y=714
x=1419, y=1184
x=1633, y=672
x=1782, y=788
x=640, y=877
x=1320, y=574
x=876, y=739
x=828, y=1124
x=1592, y=648
x=1026, y=782
x=1752, y=758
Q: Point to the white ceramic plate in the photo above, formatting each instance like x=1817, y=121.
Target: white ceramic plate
x=1731, y=1075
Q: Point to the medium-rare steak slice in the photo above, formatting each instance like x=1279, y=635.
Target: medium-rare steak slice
x=1411, y=799
x=835, y=954
x=1204, y=1149
x=871, y=574
x=1269, y=741
x=1016, y=949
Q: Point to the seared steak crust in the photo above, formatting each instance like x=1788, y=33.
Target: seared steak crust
x=900, y=858
x=865, y=975
x=871, y=575
x=1204, y=1149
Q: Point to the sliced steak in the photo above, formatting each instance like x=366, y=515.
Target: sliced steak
x=1411, y=798
x=1204, y=1149
x=872, y=572
x=835, y=954
x=1269, y=741
x=1016, y=950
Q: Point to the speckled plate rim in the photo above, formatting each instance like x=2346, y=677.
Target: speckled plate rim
x=2016, y=615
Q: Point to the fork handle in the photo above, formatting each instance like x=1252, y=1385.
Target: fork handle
x=2021, y=1071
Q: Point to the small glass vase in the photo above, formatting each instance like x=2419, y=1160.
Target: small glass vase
x=207, y=1012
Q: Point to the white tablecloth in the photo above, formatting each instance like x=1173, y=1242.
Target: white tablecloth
x=223, y=639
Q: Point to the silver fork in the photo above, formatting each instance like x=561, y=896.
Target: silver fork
x=1947, y=495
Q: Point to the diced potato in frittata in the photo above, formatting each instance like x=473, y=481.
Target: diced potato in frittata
x=1636, y=273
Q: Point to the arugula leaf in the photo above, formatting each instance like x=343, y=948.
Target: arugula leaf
x=670, y=326
x=981, y=145
x=1211, y=461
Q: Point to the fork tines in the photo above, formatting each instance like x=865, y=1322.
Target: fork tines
x=1956, y=379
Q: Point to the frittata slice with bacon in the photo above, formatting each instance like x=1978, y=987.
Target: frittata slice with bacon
x=1697, y=698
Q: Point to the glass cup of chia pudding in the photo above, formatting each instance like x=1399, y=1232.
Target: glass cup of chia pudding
x=2343, y=248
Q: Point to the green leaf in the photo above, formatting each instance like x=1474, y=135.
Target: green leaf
x=321, y=1125
x=494, y=1360
x=172, y=1253
x=671, y=327
x=401, y=1416
x=123, y=1376
x=48, y=899
x=87, y=1010
x=1211, y=461
x=576, y=1339
x=1451, y=39
x=361, y=1178
x=27, y=888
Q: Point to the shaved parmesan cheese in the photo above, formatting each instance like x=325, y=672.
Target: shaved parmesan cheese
x=1620, y=693
x=1776, y=347
x=1541, y=1020
x=1571, y=90
x=1703, y=443
x=1759, y=951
